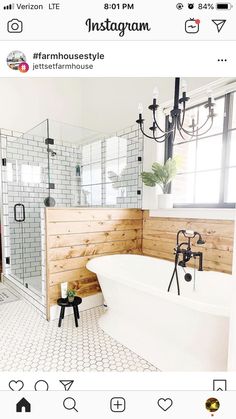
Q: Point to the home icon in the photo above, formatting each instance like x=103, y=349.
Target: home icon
x=23, y=406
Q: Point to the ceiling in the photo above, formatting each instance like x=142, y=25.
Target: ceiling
x=102, y=104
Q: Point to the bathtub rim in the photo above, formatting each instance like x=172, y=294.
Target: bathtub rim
x=214, y=309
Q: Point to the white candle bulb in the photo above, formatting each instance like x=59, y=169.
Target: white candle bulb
x=155, y=93
x=210, y=94
x=140, y=108
x=184, y=86
x=193, y=115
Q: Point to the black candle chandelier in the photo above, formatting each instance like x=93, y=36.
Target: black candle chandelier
x=176, y=118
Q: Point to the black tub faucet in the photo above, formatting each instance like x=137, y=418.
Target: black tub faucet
x=184, y=250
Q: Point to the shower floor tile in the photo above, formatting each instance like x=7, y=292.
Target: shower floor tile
x=30, y=343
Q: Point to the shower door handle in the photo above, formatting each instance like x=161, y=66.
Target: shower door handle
x=22, y=218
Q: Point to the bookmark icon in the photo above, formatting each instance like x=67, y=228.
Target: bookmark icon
x=220, y=385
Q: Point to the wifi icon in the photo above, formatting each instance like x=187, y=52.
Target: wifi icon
x=8, y=7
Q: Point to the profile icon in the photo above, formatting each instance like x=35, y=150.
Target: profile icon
x=16, y=60
x=212, y=405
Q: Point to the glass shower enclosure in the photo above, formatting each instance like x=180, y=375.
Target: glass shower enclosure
x=56, y=164
x=25, y=176
x=39, y=170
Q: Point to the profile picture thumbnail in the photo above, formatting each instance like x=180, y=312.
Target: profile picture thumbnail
x=16, y=60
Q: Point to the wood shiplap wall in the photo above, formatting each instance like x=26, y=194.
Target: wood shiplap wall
x=75, y=235
x=159, y=239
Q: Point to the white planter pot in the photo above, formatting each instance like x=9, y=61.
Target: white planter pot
x=165, y=201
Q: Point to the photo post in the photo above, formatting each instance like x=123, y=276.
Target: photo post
x=118, y=204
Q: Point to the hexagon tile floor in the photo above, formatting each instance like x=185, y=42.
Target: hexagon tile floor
x=30, y=343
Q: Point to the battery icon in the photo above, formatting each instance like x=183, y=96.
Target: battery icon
x=224, y=6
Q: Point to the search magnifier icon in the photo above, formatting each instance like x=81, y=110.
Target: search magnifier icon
x=70, y=404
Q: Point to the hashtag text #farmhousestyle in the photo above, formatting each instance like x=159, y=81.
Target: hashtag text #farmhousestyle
x=60, y=56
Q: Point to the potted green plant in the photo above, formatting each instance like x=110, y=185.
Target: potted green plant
x=71, y=295
x=162, y=175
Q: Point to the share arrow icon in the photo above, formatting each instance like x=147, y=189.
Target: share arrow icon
x=219, y=23
x=67, y=384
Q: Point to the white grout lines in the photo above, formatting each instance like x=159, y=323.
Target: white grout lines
x=29, y=343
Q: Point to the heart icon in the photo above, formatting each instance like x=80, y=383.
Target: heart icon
x=165, y=404
x=16, y=385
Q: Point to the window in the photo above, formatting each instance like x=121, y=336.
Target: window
x=104, y=171
x=207, y=176
x=92, y=174
x=116, y=168
x=30, y=174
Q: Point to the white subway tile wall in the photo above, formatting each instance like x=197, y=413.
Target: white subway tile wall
x=28, y=184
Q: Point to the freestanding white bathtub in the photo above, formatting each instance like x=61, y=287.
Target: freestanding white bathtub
x=175, y=333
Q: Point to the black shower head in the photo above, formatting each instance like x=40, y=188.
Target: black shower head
x=52, y=152
x=190, y=234
x=201, y=241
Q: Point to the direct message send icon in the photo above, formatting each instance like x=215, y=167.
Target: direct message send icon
x=67, y=384
x=219, y=24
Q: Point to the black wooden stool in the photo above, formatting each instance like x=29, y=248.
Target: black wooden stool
x=63, y=303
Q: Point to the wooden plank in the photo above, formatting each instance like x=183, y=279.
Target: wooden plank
x=212, y=242
x=70, y=276
x=92, y=238
x=67, y=264
x=75, y=262
x=160, y=220
x=210, y=254
x=93, y=226
x=208, y=265
x=146, y=216
x=92, y=249
x=210, y=228
x=86, y=214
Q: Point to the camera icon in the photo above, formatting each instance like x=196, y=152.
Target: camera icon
x=15, y=26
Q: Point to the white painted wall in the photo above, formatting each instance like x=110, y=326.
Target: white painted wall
x=103, y=104
x=152, y=152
